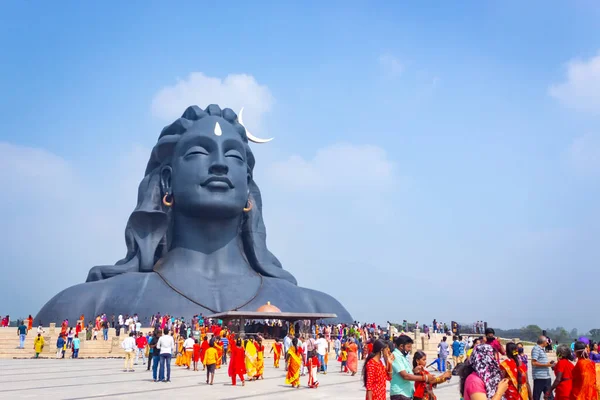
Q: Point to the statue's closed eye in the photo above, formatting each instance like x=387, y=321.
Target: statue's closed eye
x=234, y=154
x=196, y=150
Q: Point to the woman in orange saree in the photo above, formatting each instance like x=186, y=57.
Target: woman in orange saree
x=516, y=372
x=294, y=364
x=29, y=323
x=584, y=375
x=219, y=347
x=352, y=350
x=260, y=360
x=180, y=359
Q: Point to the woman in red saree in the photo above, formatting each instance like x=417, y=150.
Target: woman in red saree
x=29, y=323
x=203, y=347
x=563, y=384
x=516, y=372
x=294, y=364
x=237, y=362
x=352, y=350
x=584, y=375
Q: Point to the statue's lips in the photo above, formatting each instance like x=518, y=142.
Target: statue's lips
x=218, y=182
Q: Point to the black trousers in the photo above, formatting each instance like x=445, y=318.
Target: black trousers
x=399, y=397
x=541, y=386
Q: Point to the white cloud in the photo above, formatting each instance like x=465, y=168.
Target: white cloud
x=391, y=65
x=581, y=89
x=584, y=154
x=23, y=169
x=235, y=91
x=340, y=167
x=62, y=220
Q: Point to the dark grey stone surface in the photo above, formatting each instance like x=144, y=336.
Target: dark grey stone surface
x=202, y=254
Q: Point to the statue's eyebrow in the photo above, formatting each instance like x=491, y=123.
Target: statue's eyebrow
x=201, y=140
x=229, y=144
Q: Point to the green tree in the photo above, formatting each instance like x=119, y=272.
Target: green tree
x=594, y=334
x=531, y=333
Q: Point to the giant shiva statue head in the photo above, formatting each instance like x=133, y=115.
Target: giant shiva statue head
x=201, y=167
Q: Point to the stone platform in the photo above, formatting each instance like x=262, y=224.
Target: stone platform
x=103, y=379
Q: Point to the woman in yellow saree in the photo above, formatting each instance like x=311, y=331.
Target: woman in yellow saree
x=516, y=372
x=294, y=365
x=251, y=359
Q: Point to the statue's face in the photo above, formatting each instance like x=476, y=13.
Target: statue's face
x=209, y=176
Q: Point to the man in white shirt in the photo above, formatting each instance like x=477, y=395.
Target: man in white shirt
x=129, y=346
x=166, y=346
x=322, y=348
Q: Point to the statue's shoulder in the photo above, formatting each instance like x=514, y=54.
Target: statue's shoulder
x=111, y=295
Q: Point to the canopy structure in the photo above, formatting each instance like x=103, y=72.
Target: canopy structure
x=271, y=314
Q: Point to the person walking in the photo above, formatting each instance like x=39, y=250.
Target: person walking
x=129, y=346
x=166, y=347
x=76, y=344
x=443, y=353
x=140, y=344
x=22, y=333
x=38, y=345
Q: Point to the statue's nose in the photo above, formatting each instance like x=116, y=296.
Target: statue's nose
x=218, y=168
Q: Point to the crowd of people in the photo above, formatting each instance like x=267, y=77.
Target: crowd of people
x=488, y=370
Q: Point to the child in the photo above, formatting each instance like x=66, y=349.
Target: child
x=344, y=359
x=313, y=369
x=95, y=333
x=424, y=391
x=210, y=361
x=196, y=355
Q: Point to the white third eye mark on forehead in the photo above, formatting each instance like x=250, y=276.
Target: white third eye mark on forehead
x=218, y=131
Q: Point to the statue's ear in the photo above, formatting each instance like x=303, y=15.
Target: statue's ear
x=165, y=179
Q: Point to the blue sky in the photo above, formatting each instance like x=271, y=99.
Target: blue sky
x=456, y=147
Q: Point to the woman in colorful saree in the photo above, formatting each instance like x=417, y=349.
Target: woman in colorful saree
x=352, y=350
x=294, y=365
x=584, y=375
x=564, y=374
x=251, y=359
x=513, y=369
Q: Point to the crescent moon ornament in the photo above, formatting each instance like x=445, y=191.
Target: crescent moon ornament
x=250, y=136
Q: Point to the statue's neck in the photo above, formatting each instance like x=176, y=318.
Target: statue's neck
x=206, y=263
x=211, y=247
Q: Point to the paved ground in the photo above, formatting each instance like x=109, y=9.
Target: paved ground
x=103, y=378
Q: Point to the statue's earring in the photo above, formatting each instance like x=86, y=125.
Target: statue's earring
x=249, y=206
x=168, y=199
